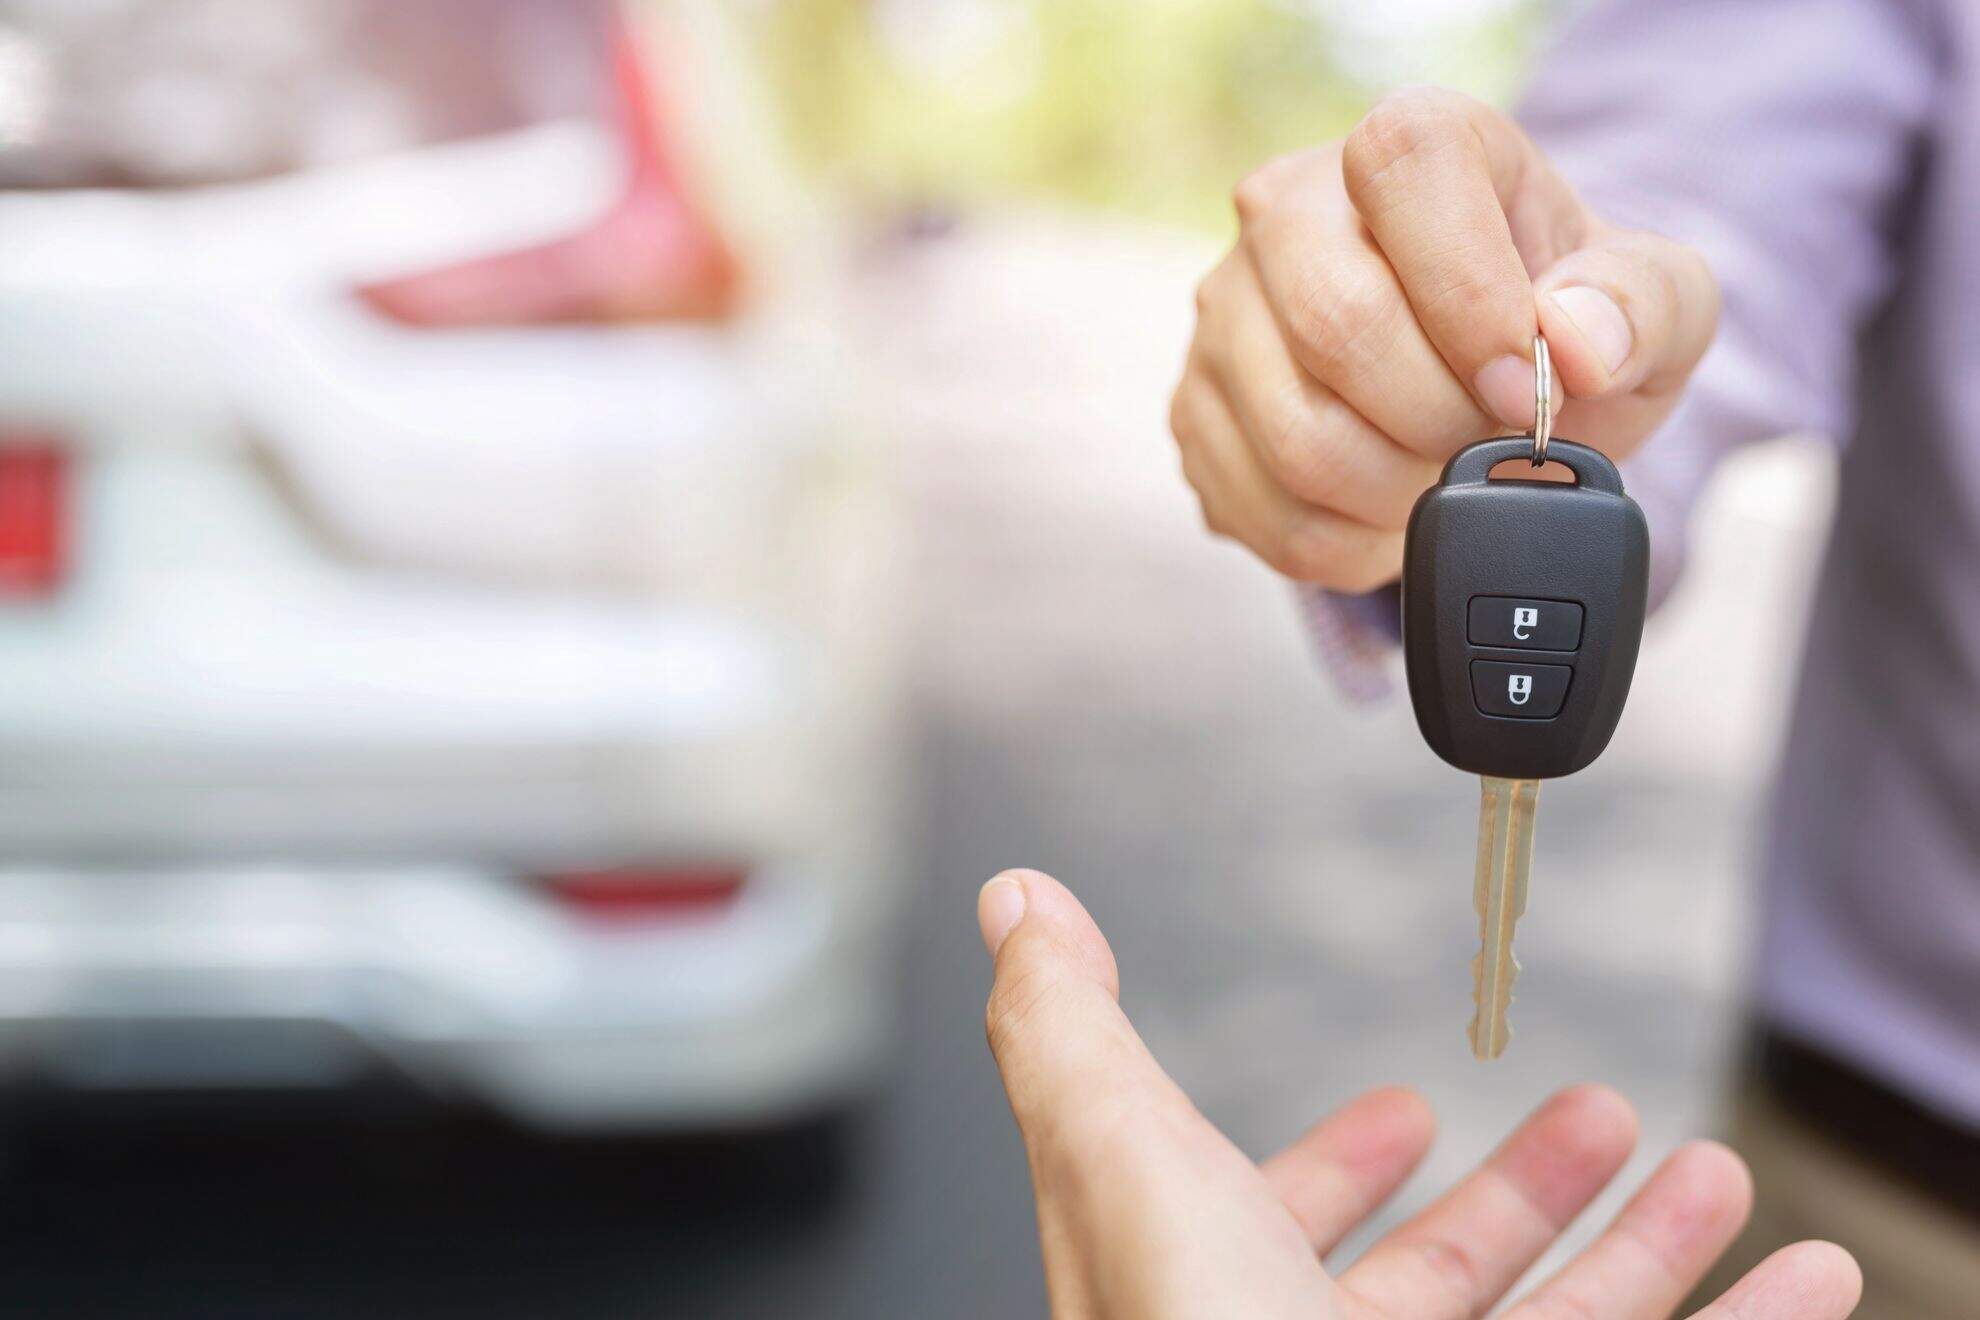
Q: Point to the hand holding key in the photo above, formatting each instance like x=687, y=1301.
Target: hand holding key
x=1378, y=313
x=1376, y=317
x=1146, y=1210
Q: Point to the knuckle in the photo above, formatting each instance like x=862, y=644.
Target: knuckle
x=1306, y=551
x=1181, y=426
x=1451, y=1268
x=1403, y=124
x=1208, y=510
x=1252, y=197
x=1338, y=318
x=1216, y=301
x=1471, y=293
x=1211, y=289
x=1212, y=523
x=1193, y=463
x=1187, y=409
x=1259, y=193
x=1304, y=450
x=1017, y=1001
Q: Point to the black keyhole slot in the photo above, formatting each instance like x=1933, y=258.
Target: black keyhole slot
x=1522, y=469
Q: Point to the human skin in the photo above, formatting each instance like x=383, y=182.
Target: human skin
x=1146, y=1210
x=1377, y=314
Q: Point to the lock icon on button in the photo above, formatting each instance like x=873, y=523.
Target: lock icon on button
x=1519, y=688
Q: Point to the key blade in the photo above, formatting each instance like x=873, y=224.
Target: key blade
x=1505, y=854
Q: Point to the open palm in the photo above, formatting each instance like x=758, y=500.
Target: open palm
x=1146, y=1210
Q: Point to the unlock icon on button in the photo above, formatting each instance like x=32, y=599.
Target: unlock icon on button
x=1525, y=619
x=1519, y=688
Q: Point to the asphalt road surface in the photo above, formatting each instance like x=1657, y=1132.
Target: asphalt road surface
x=1100, y=692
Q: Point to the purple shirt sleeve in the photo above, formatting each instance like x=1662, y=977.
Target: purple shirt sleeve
x=1776, y=137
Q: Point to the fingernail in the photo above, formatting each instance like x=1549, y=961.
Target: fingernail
x=1506, y=386
x=999, y=908
x=1600, y=321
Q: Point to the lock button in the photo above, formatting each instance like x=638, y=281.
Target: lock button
x=1520, y=692
x=1542, y=625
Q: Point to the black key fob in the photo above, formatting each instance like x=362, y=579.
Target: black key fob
x=1522, y=608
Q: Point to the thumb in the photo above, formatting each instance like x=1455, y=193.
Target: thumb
x=1066, y=1050
x=1626, y=311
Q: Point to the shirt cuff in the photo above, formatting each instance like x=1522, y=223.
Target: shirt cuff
x=1355, y=638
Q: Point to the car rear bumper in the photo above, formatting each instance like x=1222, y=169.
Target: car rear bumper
x=470, y=983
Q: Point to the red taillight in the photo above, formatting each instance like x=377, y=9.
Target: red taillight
x=33, y=526
x=627, y=894
x=655, y=255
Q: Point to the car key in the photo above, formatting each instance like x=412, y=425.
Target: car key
x=1522, y=607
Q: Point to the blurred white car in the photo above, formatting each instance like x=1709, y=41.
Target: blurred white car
x=510, y=708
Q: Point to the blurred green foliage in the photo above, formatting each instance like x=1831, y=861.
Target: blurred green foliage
x=1153, y=107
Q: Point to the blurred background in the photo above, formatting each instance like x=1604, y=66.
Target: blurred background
x=547, y=547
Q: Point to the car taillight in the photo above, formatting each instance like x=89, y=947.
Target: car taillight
x=654, y=256
x=33, y=516
x=631, y=894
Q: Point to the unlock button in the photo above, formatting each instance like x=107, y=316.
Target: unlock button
x=1521, y=692
x=1543, y=625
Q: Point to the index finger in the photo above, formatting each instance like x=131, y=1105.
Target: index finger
x=1451, y=191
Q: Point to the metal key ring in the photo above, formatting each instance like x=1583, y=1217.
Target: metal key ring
x=1543, y=399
